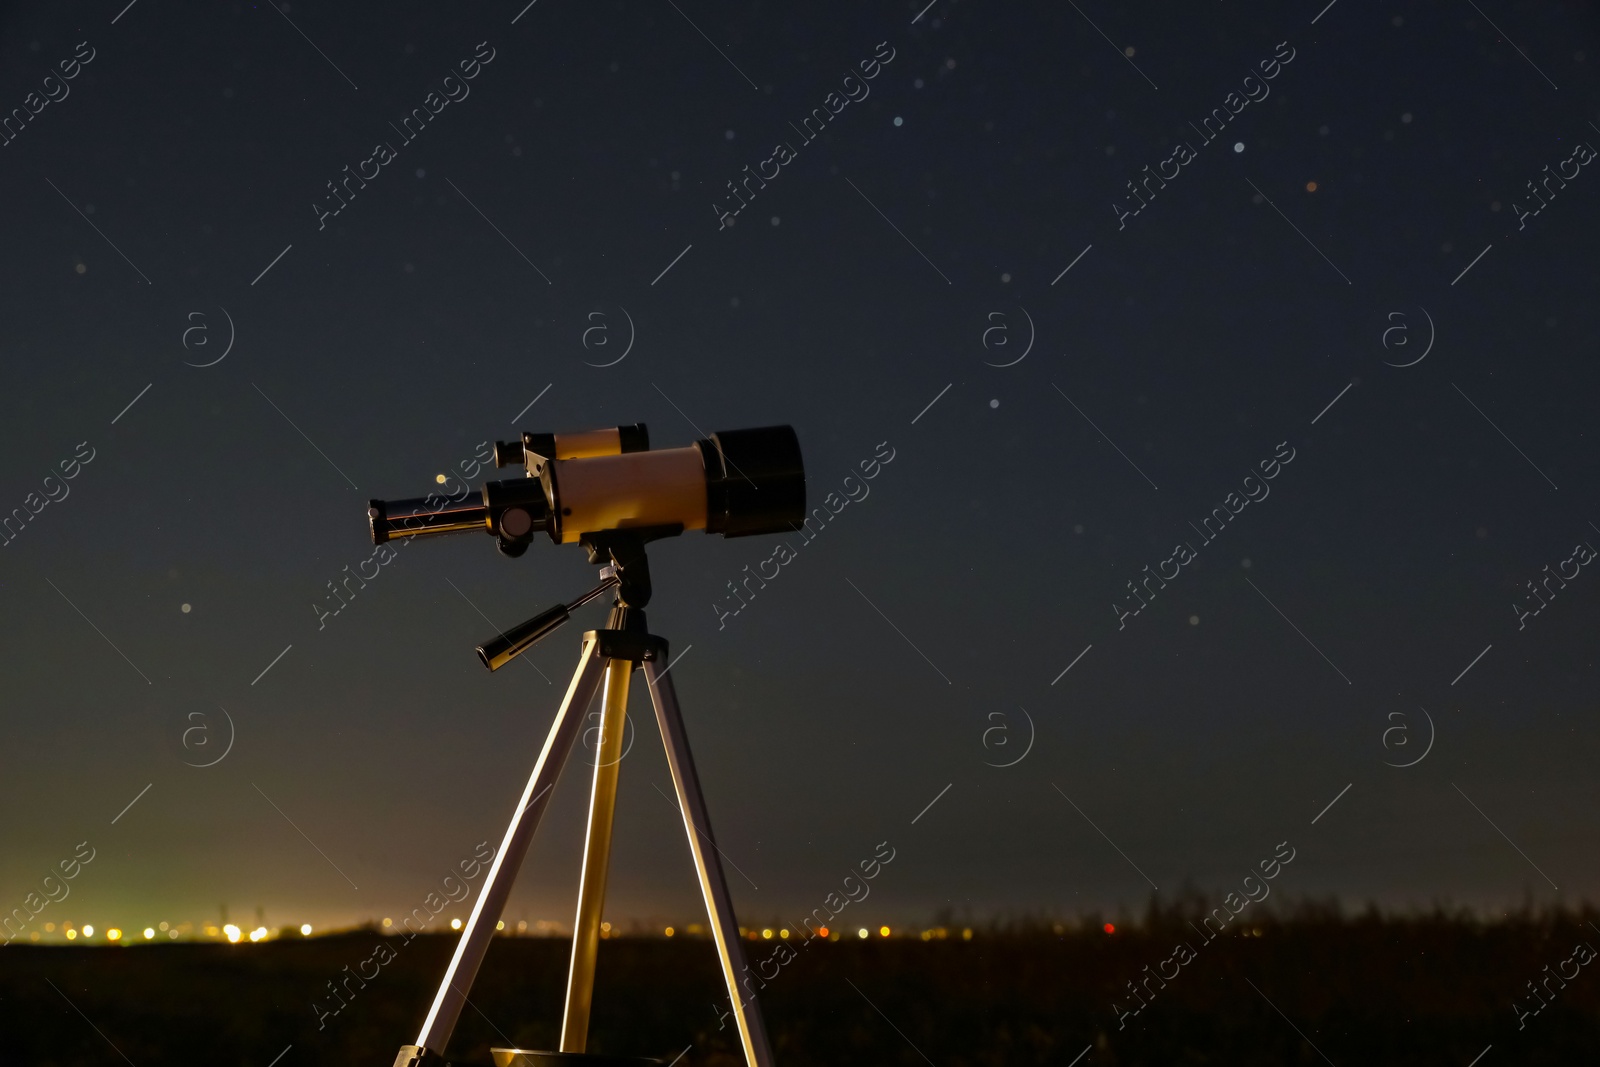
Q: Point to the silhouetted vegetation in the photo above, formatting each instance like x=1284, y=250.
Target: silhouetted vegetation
x=1434, y=988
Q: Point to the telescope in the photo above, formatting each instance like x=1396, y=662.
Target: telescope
x=609, y=492
x=736, y=483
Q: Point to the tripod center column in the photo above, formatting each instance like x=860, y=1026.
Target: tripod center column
x=596, y=858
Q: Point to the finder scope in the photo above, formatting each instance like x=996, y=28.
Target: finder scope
x=736, y=483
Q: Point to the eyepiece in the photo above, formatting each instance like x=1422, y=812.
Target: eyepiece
x=634, y=437
x=508, y=453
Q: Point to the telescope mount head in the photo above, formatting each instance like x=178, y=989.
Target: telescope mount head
x=623, y=551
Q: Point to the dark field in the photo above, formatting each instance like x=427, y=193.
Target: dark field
x=1362, y=991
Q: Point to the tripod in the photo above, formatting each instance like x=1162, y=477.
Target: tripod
x=609, y=656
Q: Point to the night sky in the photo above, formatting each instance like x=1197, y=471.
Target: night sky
x=1063, y=278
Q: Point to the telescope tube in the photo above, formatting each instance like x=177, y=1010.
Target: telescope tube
x=737, y=483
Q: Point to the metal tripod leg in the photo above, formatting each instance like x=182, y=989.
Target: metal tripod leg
x=475, y=936
x=752, y=1032
x=596, y=857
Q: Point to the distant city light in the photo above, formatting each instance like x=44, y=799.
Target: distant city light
x=863, y=933
x=783, y=933
x=966, y=934
x=258, y=934
x=455, y=924
x=305, y=929
x=50, y=927
x=883, y=931
x=669, y=931
x=767, y=934
x=501, y=925
x=72, y=935
x=113, y=934
x=1109, y=928
x=149, y=932
x=88, y=931
x=162, y=927
x=388, y=922
x=232, y=933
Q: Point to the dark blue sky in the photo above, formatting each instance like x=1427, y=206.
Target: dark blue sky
x=900, y=286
